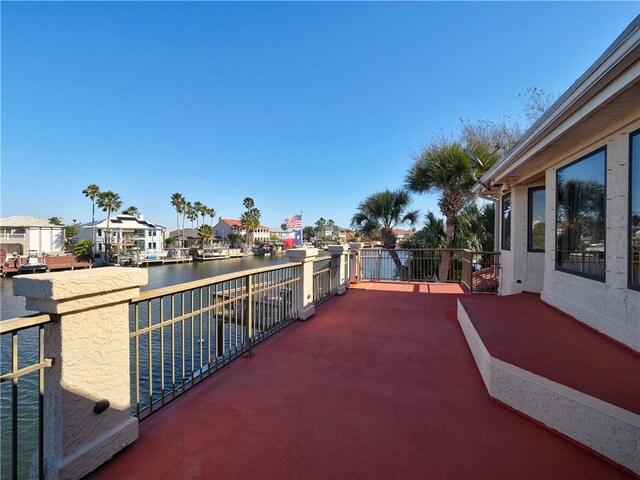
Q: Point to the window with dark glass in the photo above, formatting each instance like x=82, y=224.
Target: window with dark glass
x=634, y=211
x=580, y=216
x=536, y=219
x=506, y=222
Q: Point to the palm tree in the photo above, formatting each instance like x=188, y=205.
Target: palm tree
x=320, y=224
x=92, y=192
x=211, y=213
x=192, y=214
x=283, y=227
x=133, y=211
x=381, y=212
x=185, y=213
x=55, y=220
x=250, y=219
x=197, y=207
x=446, y=168
x=178, y=202
x=205, y=232
x=308, y=233
x=474, y=229
x=432, y=235
x=109, y=202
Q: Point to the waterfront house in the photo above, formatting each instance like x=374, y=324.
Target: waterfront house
x=228, y=226
x=402, y=234
x=190, y=237
x=568, y=196
x=332, y=232
x=127, y=231
x=22, y=233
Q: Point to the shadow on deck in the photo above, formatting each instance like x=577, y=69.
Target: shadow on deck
x=379, y=383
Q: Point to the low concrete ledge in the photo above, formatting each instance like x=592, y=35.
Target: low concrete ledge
x=600, y=426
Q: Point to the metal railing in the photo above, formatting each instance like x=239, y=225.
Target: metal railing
x=414, y=265
x=181, y=335
x=324, y=269
x=477, y=271
x=27, y=364
x=480, y=271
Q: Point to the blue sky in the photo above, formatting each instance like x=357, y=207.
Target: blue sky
x=302, y=106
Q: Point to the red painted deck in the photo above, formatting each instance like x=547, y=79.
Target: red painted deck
x=526, y=332
x=378, y=384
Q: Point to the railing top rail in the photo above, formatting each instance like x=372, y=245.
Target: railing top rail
x=322, y=258
x=162, y=292
x=14, y=324
x=434, y=250
x=415, y=249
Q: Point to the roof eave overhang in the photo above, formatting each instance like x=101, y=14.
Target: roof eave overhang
x=600, y=83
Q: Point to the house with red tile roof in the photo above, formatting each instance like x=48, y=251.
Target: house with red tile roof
x=227, y=226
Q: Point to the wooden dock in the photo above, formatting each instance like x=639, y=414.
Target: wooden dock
x=10, y=265
x=163, y=261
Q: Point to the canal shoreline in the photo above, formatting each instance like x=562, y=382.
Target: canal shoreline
x=159, y=276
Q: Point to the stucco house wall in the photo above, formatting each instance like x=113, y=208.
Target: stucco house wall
x=599, y=111
x=527, y=274
x=608, y=306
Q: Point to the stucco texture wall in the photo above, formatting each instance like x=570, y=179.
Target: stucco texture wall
x=609, y=306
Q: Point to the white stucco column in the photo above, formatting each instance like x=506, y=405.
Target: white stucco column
x=354, y=248
x=89, y=342
x=339, y=258
x=305, y=292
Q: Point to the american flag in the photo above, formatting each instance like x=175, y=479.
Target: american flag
x=294, y=221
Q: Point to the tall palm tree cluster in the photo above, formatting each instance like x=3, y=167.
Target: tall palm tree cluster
x=443, y=168
x=250, y=219
x=187, y=210
x=109, y=202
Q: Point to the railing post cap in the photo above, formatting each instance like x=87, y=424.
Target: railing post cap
x=64, y=292
x=337, y=249
x=301, y=254
x=355, y=245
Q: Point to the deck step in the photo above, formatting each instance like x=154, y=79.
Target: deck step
x=601, y=427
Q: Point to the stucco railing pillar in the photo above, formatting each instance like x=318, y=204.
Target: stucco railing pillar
x=339, y=275
x=305, y=292
x=88, y=340
x=354, y=259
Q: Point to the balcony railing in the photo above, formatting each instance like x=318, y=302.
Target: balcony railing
x=13, y=236
x=324, y=270
x=477, y=271
x=480, y=271
x=417, y=265
x=177, y=335
x=22, y=393
x=181, y=335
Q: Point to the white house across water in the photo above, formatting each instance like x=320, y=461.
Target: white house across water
x=21, y=233
x=568, y=196
x=127, y=231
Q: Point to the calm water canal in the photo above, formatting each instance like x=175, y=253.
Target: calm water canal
x=11, y=307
